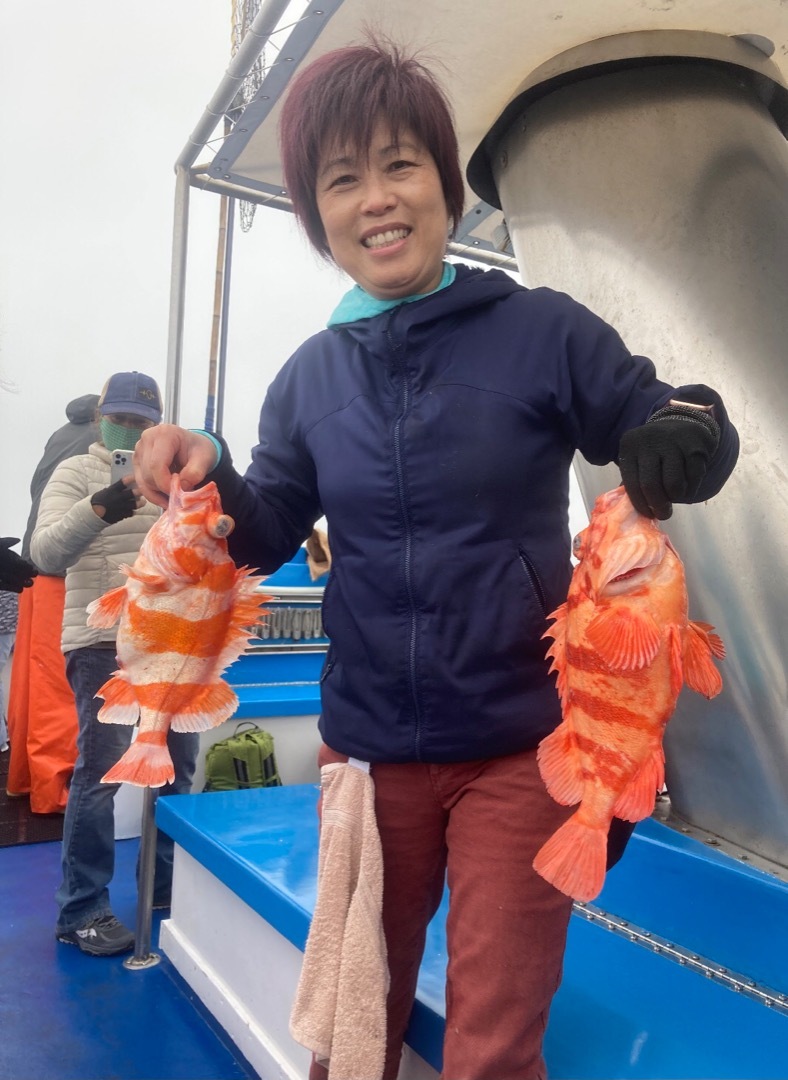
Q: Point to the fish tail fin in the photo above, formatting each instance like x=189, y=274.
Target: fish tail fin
x=574, y=859
x=146, y=763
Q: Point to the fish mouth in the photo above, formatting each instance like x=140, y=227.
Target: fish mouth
x=628, y=574
x=631, y=562
x=626, y=581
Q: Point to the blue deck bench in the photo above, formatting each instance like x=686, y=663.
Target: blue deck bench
x=676, y=970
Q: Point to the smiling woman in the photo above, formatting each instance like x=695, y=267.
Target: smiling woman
x=434, y=424
x=381, y=99
x=384, y=214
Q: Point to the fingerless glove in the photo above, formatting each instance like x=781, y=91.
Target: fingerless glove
x=665, y=460
x=16, y=573
x=118, y=500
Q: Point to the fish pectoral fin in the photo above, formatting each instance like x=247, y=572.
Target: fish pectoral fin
x=700, y=645
x=560, y=766
x=106, y=611
x=625, y=640
x=715, y=642
x=637, y=799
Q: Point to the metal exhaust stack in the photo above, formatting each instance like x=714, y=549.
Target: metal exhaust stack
x=647, y=175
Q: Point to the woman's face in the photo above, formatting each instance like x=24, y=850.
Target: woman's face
x=384, y=214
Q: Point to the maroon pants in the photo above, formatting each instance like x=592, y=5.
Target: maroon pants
x=481, y=823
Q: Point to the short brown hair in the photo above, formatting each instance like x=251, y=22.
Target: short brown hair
x=340, y=97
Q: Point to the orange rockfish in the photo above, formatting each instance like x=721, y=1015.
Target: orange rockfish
x=623, y=648
x=184, y=613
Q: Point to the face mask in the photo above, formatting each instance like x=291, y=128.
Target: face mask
x=118, y=437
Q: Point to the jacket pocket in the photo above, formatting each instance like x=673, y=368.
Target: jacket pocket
x=328, y=666
x=532, y=578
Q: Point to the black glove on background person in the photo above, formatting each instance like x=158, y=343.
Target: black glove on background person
x=665, y=460
x=118, y=500
x=16, y=573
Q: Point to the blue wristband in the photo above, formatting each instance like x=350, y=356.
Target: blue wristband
x=214, y=440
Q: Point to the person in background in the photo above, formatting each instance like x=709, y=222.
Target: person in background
x=42, y=716
x=434, y=424
x=9, y=607
x=86, y=527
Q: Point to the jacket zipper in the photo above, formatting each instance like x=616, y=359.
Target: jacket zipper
x=408, y=535
x=533, y=579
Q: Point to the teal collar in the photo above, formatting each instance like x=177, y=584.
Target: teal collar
x=358, y=304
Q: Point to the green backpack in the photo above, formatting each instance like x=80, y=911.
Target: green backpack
x=243, y=760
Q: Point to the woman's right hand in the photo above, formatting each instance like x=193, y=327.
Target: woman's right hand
x=167, y=449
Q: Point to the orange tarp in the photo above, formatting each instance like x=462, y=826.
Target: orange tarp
x=42, y=716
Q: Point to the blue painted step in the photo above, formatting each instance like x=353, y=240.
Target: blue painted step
x=622, y=1010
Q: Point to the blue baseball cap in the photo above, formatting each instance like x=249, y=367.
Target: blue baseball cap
x=133, y=393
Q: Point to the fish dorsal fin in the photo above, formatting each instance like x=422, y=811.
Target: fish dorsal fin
x=700, y=673
x=557, y=651
x=626, y=640
x=106, y=611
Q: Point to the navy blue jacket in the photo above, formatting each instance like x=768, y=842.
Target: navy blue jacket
x=437, y=439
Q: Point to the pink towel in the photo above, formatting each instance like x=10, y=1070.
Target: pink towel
x=339, y=1011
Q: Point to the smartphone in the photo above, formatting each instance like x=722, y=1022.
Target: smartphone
x=122, y=464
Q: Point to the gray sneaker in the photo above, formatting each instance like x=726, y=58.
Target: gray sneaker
x=103, y=936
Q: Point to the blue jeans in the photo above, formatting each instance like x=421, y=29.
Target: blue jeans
x=6, y=645
x=88, y=854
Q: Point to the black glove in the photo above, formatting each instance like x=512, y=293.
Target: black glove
x=666, y=459
x=118, y=500
x=16, y=573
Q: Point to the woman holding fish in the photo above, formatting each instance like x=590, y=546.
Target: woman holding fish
x=86, y=528
x=434, y=423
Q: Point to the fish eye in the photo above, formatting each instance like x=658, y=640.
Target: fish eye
x=577, y=544
x=220, y=525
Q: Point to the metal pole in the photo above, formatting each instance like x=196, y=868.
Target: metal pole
x=225, y=311
x=216, y=321
x=264, y=24
x=177, y=296
x=143, y=957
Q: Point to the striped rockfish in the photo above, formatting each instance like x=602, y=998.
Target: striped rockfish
x=185, y=611
x=623, y=647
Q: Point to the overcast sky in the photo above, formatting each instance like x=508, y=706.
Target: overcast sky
x=98, y=101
